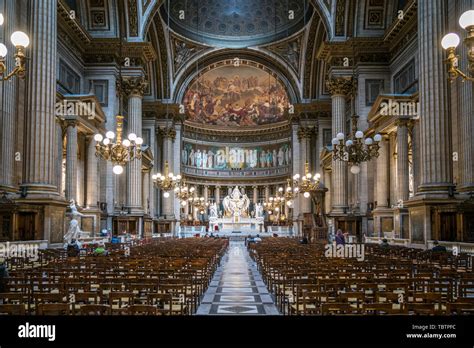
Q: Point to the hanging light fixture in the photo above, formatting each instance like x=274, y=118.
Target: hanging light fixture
x=307, y=183
x=166, y=181
x=356, y=149
x=182, y=191
x=121, y=151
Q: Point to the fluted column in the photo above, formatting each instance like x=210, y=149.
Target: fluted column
x=92, y=171
x=466, y=112
x=175, y=154
x=146, y=192
x=255, y=195
x=59, y=157
x=402, y=162
x=267, y=193
x=436, y=173
x=8, y=105
x=169, y=135
x=40, y=135
x=304, y=137
x=134, y=87
x=218, y=196
x=382, y=179
x=296, y=161
x=339, y=88
x=71, y=161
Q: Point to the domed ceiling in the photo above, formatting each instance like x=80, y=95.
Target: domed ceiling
x=236, y=23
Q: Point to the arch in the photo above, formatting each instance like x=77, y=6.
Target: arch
x=190, y=72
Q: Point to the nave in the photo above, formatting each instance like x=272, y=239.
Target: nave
x=237, y=287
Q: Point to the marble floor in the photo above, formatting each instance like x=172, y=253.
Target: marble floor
x=237, y=287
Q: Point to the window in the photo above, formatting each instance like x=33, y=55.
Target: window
x=69, y=80
x=405, y=81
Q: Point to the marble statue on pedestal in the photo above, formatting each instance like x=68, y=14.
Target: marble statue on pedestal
x=236, y=204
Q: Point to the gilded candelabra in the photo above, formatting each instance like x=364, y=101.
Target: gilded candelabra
x=121, y=151
x=166, y=181
x=20, y=40
x=356, y=149
x=451, y=41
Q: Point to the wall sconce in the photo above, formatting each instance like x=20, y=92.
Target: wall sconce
x=451, y=41
x=20, y=40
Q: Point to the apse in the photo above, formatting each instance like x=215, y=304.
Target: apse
x=231, y=95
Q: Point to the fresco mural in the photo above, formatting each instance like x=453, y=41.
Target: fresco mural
x=241, y=96
x=238, y=157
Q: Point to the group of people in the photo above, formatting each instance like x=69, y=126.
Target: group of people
x=236, y=157
x=236, y=101
x=249, y=239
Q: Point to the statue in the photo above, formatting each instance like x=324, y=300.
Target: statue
x=259, y=210
x=74, y=210
x=213, y=210
x=74, y=230
x=236, y=204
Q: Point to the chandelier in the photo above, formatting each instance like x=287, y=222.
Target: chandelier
x=274, y=203
x=167, y=181
x=451, y=41
x=183, y=192
x=356, y=149
x=121, y=151
x=199, y=203
x=306, y=183
x=20, y=40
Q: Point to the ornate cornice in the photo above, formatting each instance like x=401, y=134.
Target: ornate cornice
x=340, y=86
x=356, y=50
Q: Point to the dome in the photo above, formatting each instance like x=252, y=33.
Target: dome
x=236, y=23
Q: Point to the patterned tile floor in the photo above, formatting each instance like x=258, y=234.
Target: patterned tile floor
x=237, y=287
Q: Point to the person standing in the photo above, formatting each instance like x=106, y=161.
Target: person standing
x=340, y=240
x=3, y=275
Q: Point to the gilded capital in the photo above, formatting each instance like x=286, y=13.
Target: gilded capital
x=134, y=86
x=168, y=132
x=340, y=86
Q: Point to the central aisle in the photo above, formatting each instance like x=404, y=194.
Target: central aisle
x=237, y=287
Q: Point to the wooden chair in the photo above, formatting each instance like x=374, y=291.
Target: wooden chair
x=12, y=309
x=95, y=309
x=141, y=310
x=53, y=309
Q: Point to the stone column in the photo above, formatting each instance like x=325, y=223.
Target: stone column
x=40, y=135
x=436, y=173
x=296, y=161
x=403, y=179
x=218, y=196
x=327, y=184
x=59, y=158
x=466, y=112
x=267, y=193
x=8, y=90
x=255, y=195
x=71, y=161
x=176, y=167
x=134, y=87
x=339, y=88
x=92, y=171
x=304, y=136
x=146, y=192
x=382, y=179
x=168, y=134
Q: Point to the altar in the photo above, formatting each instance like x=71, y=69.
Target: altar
x=236, y=218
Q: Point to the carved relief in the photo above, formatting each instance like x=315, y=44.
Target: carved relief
x=134, y=86
x=290, y=51
x=183, y=51
x=132, y=18
x=340, y=86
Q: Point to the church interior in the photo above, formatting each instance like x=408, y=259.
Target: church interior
x=236, y=158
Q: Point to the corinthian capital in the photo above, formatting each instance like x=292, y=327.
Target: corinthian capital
x=134, y=86
x=340, y=86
